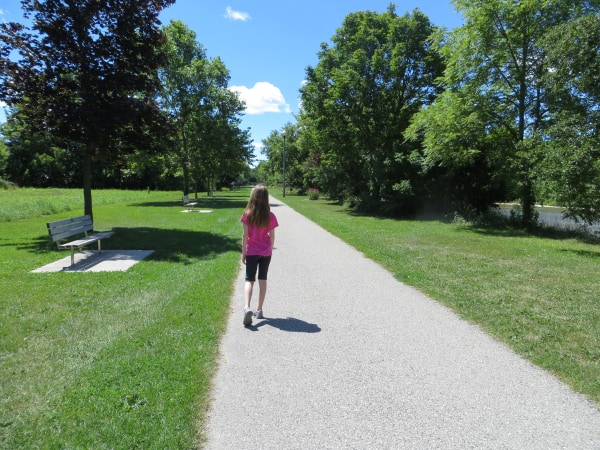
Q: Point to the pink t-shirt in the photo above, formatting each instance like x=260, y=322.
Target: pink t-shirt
x=259, y=241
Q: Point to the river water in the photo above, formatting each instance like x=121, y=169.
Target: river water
x=553, y=216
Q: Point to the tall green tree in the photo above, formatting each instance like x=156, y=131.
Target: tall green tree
x=4, y=153
x=37, y=159
x=570, y=160
x=496, y=93
x=86, y=72
x=223, y=149
x=361, y=96
x=208, y=142
x=271, y=170
x=185, y=84
x=295, y=156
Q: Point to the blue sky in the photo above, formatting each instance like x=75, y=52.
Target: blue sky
x=267, y=44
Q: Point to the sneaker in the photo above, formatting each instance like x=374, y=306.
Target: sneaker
x=247, y=317
x=259, y=314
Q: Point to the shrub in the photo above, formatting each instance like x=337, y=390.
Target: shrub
x=313, y=194
x=6, y=184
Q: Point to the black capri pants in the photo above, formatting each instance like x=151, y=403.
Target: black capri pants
x=254, y=262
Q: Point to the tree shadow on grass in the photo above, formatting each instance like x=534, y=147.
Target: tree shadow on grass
x=538, y=231
x=174, y=245
x=179, y=246
x=493, y=224
x=583, y=253
x=203, y=202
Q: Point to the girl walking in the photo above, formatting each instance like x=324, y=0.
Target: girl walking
x=257, y=246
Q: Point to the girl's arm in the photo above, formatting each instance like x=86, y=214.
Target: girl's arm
x=244, y=242
x=272, y=236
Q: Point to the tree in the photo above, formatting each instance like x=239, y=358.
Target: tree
x=37, y=159
x=360, y=98
x=208, y=141
x=223, y=149
x=464, y=164
x=295, y=156
x=496, y=89
x=86, y=72
x=4, y=153
x=570, y=160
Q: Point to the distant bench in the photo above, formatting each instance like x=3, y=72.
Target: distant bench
x=187, y=202
x=67, y=228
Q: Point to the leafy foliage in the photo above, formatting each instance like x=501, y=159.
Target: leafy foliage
x=208, y=142
x=359, y=100
x=38, y=159
x=492, y=122
x=296, y=155
x=86, y=73
x=570, y=168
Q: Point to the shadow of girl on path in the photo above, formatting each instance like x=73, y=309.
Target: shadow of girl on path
x=289, y=324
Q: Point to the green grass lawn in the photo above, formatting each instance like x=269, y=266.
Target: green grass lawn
x=536, y=293
x=116, y=359
x=125, y=360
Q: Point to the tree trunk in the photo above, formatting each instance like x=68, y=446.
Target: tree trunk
x=527, y=204
x=87, y=180
x=186, y=177
x=185, y=164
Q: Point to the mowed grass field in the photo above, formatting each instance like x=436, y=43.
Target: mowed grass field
x=114, y=359
x=125, y=360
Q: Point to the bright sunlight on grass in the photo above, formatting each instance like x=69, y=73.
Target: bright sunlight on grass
x=113, y=360
x=125, y=360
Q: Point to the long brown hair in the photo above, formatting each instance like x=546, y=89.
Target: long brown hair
x=258, y=207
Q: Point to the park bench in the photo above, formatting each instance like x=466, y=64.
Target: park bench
x=187, y=202
x=67, y=228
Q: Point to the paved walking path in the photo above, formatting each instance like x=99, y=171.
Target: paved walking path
x=350, y=358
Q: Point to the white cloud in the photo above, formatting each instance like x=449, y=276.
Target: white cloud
x=236, y=15
x=262, y=98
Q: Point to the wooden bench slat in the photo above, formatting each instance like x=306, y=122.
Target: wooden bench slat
x=70, y=227
x=187, y=202
x=63, y=234
x=83, y=219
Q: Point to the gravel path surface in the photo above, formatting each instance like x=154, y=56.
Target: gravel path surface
x=347, y=357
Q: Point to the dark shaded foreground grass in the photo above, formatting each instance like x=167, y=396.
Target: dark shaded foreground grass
x=536, y=293
x=114, y=360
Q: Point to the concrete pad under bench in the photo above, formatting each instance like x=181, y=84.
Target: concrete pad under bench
x=93, y=261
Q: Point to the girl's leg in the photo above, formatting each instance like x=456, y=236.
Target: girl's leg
x=263, y=269
x=251, y=267
x=262, y=285
x=248, y=287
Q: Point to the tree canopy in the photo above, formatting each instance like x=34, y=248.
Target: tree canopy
x=87, y=72
x=570, y=167
x=359, y=100
x=398, y=115
x=208, y=141
x=494, y=119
